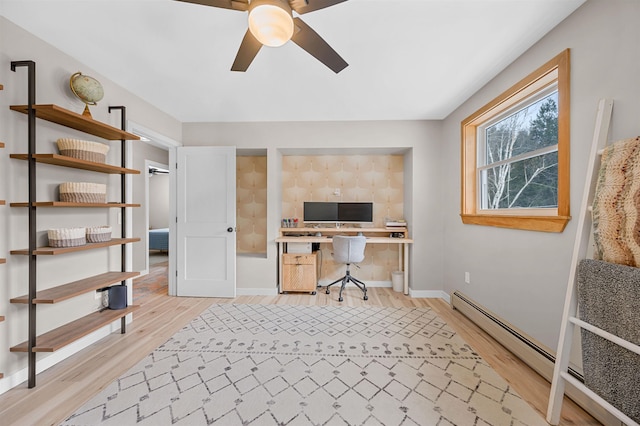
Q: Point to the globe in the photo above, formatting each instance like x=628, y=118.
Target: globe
x=87, y=89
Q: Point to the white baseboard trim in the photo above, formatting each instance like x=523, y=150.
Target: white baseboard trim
x=22, y=375
x=256, y=291
x=429, y=294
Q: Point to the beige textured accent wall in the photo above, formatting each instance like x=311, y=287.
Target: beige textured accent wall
x=376, y=178
x=251, y=204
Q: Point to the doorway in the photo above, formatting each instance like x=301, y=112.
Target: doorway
x=157, y=213
x=153, y=151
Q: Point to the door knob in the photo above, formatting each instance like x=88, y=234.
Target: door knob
x=229, y=229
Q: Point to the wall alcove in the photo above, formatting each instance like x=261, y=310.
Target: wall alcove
x=380, y=175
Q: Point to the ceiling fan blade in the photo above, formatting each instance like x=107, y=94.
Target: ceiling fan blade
x=242, y=5
x=305, y=37
x=306, y=6
x=156, y=171
x=248, y=50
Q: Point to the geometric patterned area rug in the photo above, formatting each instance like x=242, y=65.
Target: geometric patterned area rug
x=310, y=365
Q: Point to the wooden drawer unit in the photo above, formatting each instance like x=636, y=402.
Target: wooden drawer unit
x=299, y=272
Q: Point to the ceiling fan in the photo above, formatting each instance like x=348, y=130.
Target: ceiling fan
x=271, y=23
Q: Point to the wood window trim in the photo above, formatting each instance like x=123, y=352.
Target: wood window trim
x=469, y=189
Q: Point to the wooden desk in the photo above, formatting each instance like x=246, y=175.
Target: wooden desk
x=374, y=236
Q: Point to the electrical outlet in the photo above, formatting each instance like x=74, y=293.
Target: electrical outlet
x=467, y=278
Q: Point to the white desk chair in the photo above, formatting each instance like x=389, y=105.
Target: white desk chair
x=348, y=250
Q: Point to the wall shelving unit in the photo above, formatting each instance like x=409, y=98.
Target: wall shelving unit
x=80, y=327
x=2, y=260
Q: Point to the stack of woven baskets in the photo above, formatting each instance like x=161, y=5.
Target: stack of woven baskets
x=73, y=237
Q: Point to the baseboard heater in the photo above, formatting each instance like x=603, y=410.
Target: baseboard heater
x=527, y=349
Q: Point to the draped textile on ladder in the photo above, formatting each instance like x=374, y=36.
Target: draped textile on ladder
x=616, y=208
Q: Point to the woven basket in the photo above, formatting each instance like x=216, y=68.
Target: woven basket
x=83, y=192
x=98, y=234
x=84, y=150
x=67, y=237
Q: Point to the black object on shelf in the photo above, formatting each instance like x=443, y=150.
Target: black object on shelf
x=118, y=297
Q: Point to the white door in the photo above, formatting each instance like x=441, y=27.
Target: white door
x=206, y=222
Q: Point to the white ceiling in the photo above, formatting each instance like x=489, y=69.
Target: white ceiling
x=408, y=59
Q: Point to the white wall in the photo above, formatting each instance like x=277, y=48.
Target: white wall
x=159, y=201
x=423, y=210
x=522, y=275
x=53, y=69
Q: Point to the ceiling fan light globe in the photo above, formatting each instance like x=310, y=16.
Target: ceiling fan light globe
x=270, y=24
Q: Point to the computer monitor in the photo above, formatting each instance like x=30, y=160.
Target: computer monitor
x=320, y=212
x=355, y=212
x=337, y=212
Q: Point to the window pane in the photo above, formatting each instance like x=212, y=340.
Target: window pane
x=530, y=183
x=528, y=129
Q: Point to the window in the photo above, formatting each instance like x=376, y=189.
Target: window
x=515, y=154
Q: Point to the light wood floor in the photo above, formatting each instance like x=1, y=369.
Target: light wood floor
x=63, y=388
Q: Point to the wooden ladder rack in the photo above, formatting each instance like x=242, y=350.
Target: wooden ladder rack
x=569, y=316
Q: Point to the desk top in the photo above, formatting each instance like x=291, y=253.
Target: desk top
x=374, y=235
x=327, y=239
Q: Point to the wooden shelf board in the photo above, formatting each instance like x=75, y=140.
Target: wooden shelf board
x=1, y=318
x=76, y=163
x=2, y=202
x=3, y=261
x=69, y=333
x=59, y=115
x=76, y=288
x=51, y=251
x=1, y=144
x=67, y=204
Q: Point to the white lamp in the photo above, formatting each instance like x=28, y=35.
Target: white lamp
x=271, y=22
